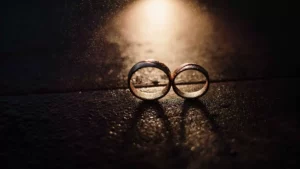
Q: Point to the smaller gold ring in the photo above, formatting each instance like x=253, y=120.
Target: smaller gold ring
x=190, y=95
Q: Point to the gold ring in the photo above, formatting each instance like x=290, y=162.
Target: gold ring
x=190, y=95
x=144, y=95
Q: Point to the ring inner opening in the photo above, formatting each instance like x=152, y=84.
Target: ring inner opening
x=149, y=83
x=190, y=83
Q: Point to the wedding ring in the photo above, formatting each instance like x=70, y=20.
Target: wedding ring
x=194, y=94
x=149, y=95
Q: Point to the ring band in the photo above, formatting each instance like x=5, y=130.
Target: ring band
x=190, y=95
x=144, y=95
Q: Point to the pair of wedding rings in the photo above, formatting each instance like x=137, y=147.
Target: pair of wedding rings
x=171, y=80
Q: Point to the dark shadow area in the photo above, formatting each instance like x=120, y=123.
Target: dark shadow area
x=272, y=20
x=48, y=73
x=222, y=148
x=148, y=147
x=197, y=104
x=44, y=44
x=52, y=132
x=156, y=108
x=52, y=26
x=147, y=151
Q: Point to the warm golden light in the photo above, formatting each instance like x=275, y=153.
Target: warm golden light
x=171, y=31
x=150, y=19
x=157, y=11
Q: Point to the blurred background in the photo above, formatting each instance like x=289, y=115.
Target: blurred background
x=90, y=44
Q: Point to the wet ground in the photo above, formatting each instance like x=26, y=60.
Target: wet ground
x=65, y=104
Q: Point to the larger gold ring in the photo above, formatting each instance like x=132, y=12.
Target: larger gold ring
x=145, y=95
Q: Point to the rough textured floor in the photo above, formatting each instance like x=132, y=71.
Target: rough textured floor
x=236, y=125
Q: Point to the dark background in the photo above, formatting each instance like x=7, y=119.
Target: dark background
x=36, y=35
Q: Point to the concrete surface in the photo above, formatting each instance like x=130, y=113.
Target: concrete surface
x=236, y=125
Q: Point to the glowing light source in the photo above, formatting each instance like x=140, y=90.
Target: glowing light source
x=157, y=11
x=151, y=19
x=171, y=31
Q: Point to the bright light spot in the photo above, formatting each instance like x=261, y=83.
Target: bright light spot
x=157, y=11
x=171, y=31
x=150, y=20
